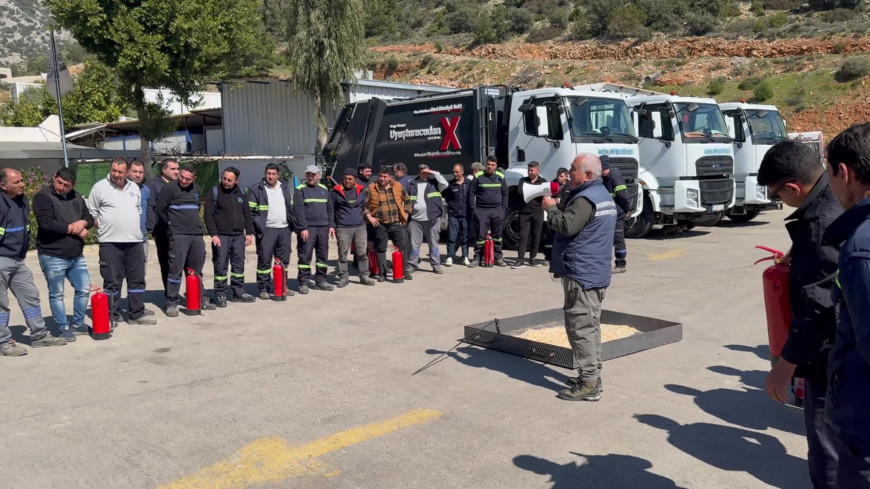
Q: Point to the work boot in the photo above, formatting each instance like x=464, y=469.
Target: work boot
x=264, y=295
x=534, y=263
x=207, y=305
x=518, y=264
x=408, y=276
x=324, y=287
x=342, y=282
x=147, y=312
x=303, y=289
x=586, y=391
x=366, y=280
x=618, y=270
x=575, y=381
x=68, y=335
x=438, y=271
x=474, y=264
x=243, y=298
x=172, y=311
x=81, y=329
x=47, y=340
x=220, y=301
x=500, y=263
x=382, y=277
x=448, y=262
x=11, y=349
x=143, y=321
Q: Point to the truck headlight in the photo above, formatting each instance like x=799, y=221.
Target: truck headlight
x=693, y=198
x=760, y=193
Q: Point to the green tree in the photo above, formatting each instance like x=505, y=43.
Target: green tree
x=326, y=48
x=31, y=108
x=177, y=44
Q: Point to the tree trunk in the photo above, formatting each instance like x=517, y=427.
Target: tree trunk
x=320, y=123
x=145, y=144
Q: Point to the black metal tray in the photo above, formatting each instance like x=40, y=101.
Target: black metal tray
x=498, y=334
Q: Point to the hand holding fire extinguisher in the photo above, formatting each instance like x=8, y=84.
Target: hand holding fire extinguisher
x=778, y=308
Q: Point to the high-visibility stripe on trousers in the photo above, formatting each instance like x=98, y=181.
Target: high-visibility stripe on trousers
x=317, y=246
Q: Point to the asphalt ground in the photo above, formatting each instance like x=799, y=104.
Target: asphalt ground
x=318, y=391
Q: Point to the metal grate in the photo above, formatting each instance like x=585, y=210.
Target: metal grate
x=716, y=191
x=714, y=166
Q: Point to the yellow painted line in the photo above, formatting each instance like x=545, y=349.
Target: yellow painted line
x=668, y=255
x=272, y=460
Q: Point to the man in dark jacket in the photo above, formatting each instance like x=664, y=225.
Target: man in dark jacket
x=531, y=218
x=791, y=171
x=160, y=229
x=456, y=195
x=349, y=200
x=271, y=203
x=228, y=222
x=312, y=206
x=400, y=171
x=489, y=201
x=583, y=223
x=63, y=220
x=848, y=399
x=15, y=276
x=615, y=184
x=178, y=205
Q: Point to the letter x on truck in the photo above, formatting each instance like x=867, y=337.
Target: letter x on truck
x=548, y=125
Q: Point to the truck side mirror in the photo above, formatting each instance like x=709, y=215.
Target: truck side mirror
x=542, y=128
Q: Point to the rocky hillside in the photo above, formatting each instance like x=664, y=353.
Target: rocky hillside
x=22, y=30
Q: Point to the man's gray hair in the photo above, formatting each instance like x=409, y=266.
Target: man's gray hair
x=588, y=162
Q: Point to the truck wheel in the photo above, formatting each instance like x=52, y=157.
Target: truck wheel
x=741, y=218
x=511, y=234
x=643, y=223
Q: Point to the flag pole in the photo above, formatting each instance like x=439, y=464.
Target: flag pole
x=56, y=69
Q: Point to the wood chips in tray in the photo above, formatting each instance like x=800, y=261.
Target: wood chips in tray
x=556, y=335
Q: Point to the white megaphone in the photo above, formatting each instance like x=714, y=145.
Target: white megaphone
x=534, y=191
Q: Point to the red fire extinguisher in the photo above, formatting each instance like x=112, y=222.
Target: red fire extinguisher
x=398, y=266
x=102, y=328
x=279, y=279
x=374, y=269
x=193, y=292
x=489, y=251
x=776, y=301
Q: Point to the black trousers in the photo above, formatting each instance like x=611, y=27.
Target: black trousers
x=491, y=220
x=822, y=437
x=119, y=262
x=619, y=242
x=162, y=240
x=396, y=233
x=317, y=246
x=531, y=225
x=230, y=252
x=188, y=251
x=273, y=243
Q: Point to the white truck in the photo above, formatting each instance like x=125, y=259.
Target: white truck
x=755, y=129
x=686, y=159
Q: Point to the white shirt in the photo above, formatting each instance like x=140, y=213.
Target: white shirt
x=277, y=216
x=116, y=211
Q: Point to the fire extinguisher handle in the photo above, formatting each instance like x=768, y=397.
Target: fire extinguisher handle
x=775, y=252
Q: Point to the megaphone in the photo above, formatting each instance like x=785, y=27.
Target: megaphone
x=534, y=191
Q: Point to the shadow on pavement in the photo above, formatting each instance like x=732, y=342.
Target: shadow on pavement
x=735, y=450
x=761, y=351
x=598, y=471
x=513, y=366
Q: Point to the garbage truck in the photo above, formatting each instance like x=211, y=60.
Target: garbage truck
x=686, y=159
x=755, y=129
x=548, y=125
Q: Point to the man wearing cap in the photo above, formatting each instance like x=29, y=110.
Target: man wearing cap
x=271, y=203
x=425, y=224
x=315, y=220
x=615, y=184
x=349, y=199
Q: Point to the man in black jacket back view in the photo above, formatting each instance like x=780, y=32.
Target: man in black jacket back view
x=791, y=171
x=615, y=184
x=229, y=223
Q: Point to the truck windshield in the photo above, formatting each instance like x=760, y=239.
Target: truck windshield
x=702, y=122
x=600, y=118
x=766, y=126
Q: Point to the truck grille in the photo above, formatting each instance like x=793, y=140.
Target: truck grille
x=716, y=191
x=629, y=169
x=714, y=166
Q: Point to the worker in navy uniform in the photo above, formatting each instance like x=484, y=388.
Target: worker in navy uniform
x=489, y=201
x=349, y=200
x=178, y=205
x=271, y=203
x=160, y=229
x=615, y=184
x=15, y=276
x=312, y=206
x=228, y=222
x=400, y=172
x=583, y=222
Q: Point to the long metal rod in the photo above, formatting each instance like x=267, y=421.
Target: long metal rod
x=55, y=69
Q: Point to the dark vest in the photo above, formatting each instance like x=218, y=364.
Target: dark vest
x=434, y=204
x=585, y=258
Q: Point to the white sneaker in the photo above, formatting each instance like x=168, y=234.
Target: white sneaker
x=448, y=262
x=465, y=261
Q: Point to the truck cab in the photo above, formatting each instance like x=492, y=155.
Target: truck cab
x=755, y=129
x=687, y=161
x=554, y=125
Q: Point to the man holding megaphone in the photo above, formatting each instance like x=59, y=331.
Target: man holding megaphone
x=532, y=190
